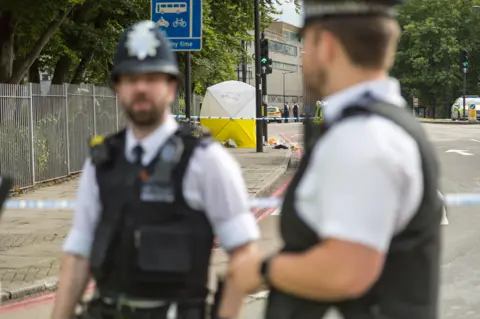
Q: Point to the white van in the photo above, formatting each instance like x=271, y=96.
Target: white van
x=457, y=107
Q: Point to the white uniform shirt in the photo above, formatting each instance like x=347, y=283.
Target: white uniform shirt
x=364, y=182
x=213, y=182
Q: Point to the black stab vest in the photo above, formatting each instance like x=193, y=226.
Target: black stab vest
x=149, y=243
x=408, y=287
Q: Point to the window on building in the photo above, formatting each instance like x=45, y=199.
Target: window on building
x=285, y=66
x=281, y=99
x=291, y=36
x=282, y=48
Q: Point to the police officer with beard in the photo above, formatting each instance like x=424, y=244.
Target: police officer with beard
x=150, y=200
x=361, y=219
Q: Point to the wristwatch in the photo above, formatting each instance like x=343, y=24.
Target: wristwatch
x=264, y=271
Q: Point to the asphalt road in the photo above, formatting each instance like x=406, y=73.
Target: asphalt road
x=461, y=256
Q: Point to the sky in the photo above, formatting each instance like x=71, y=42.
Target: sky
x=289, y=15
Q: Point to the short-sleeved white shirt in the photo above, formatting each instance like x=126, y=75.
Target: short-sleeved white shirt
x=213, y=183
x=364, y=181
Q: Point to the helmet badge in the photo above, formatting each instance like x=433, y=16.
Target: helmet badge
x=141, y=41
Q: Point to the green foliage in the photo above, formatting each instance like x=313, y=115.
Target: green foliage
x=428, y=60
x=82, y=48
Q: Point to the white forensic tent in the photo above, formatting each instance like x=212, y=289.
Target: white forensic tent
x=230, y=99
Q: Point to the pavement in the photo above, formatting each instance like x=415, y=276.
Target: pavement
x=447, y=121
x=30, y=240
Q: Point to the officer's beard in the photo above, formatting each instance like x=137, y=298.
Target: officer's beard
x=317, y=81
x=149, y=117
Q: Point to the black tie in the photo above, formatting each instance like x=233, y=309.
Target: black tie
x=138, y=152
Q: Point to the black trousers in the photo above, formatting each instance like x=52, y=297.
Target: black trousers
x=97, y=309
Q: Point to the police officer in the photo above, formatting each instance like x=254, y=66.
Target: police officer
x=361, y=218
x=295, y=112
x=286, y=112
x=150, y=200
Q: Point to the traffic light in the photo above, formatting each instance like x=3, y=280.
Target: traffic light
x=464, y=58
x=265, y=60
x=269, y=67
x=264, y=51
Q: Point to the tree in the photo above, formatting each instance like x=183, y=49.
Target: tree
x=427, y=62
x=35, y=26
x=75, y=39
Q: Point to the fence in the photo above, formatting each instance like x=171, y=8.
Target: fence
x=44, y=133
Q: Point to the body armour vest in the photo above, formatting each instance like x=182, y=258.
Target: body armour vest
x=149, y=243
x=408, y=285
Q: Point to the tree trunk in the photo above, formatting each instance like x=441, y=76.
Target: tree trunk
x=34, y=73
x=62, y=70
x=7, y=27
x=82, y=68
x=19, y=73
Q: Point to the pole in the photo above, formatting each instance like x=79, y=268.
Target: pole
x=265, y=105
x=258, y=78
x=284, y=89
x=464, y=90
x=264, y=98
x=244, y=62
x=188, y=84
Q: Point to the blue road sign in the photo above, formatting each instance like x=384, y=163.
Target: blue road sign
x=181, y=21
x=472, y=106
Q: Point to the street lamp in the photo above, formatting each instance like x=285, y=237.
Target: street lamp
x=284, y=101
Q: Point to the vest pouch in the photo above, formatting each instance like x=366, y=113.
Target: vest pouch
x=165, y=248
x=103, y=240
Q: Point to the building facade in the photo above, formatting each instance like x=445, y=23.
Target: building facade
x=285, y=84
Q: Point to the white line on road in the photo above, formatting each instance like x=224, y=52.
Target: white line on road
x=461, y=152
x=474, y=140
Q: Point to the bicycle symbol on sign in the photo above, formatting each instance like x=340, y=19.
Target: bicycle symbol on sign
x=179, y=22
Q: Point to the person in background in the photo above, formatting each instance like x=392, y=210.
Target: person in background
x=286, y=112
x=295, y=112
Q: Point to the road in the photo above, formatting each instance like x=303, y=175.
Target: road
x=461, y=256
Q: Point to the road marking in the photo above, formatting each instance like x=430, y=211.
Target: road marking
x=276, y=212
x=461, y=152
x=474, y=140
x=444, y=220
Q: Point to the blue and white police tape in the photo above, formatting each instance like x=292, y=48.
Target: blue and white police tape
x=450, y=200
x=241, y=118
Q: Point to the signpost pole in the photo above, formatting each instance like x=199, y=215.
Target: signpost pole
x=258, y=79
x=188, y=84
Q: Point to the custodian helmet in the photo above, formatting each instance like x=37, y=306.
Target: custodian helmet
x=143, y=48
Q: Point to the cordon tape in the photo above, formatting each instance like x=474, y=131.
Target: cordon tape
x=241, y=118
x=449, y=200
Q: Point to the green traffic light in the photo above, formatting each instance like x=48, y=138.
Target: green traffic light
x=263, y=60
x=465, y=64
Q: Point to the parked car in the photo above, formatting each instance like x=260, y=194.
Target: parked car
x=274, y=113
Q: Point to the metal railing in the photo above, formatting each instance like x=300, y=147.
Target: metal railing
x=44, y=131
